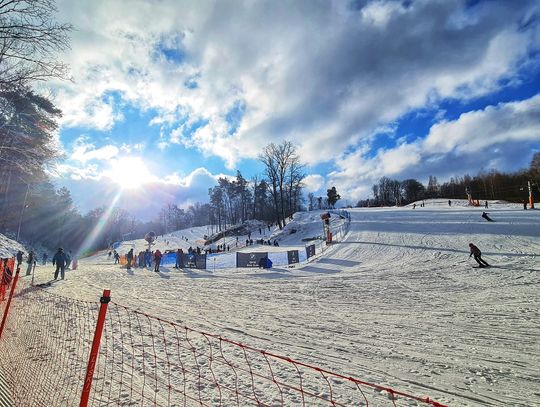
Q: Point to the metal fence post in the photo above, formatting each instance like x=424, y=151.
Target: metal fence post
x=104, y=300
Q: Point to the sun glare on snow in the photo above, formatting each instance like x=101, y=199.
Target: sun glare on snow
x=130, y=172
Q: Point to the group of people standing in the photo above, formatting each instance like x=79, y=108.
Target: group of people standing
x=142, y=259
x=61, y=260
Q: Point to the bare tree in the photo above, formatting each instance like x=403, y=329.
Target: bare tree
x=30, y=41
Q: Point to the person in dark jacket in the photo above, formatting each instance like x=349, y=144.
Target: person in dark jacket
x=486, y=217
x=45, y=256
x=179, y=259
x=129, y=258
x=31, y=260
x=147, y=258
x=475, y=251
x=19, y=258
x=60, y=260
x=68, y=259
x=157, y=260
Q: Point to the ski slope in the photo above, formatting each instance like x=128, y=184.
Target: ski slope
x=396, y=303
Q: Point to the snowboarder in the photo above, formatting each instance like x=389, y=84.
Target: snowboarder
x=19, y=258
x=60, y=260
x=157, y=260
x=475, y=251
x=486, y=217
x=31, y=260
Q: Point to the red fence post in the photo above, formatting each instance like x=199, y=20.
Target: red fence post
x=9, y=302
x=104, y=300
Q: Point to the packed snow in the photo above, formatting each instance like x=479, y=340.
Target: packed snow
x=397, y=302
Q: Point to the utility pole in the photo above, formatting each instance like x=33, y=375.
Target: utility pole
x=24, y=206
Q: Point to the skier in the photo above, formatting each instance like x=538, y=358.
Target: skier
x=110, y=254
x=60, y=260
x=475, y=251
x=414, y=206
x=486, y=217
x=31, y=260
x=157, y=260
x=116, y=257
x=45, y=256
x=449, y=202
x=486, y=204
x=19, y=258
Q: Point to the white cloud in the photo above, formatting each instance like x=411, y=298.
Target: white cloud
x=327, y=79
x=473, y=131
x=86, y=152
x=494, y=137
x=313, y=182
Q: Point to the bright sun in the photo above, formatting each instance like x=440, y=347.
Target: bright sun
x=130, y=172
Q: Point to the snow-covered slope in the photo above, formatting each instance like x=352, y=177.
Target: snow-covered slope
x=396, y=303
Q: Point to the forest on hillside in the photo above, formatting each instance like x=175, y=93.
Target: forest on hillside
x=491, y=185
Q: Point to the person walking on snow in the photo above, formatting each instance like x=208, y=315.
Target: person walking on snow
x=486, y=217
x=129, y=258
x=179, y=260
x=157, y=260
x=60, y=260
x=31, y=260
x=475, y=251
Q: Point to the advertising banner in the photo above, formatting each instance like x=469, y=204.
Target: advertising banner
x=310, y=251
x=292, y=256
x=249, y=259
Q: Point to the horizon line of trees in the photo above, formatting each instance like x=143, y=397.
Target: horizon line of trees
x=491, y=185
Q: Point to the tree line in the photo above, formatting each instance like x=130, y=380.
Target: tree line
x=492, y=185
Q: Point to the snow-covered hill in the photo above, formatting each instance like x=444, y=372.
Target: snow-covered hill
x=396, y=303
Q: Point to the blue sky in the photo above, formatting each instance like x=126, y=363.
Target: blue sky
x=169, y=95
